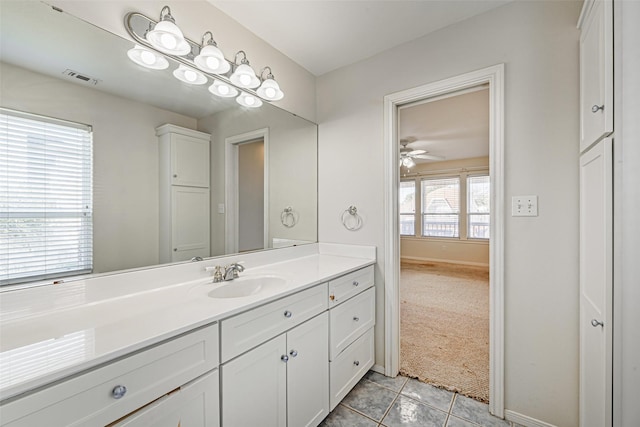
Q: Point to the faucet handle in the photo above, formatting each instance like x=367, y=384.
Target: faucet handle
x=217, y=273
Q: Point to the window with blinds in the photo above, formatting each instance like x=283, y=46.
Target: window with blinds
x=46, y=224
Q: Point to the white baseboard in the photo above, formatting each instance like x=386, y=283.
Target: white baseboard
x=524, y=420
x=446, y=261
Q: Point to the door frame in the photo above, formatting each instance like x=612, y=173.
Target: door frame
x=494, y=76
x=231, y=186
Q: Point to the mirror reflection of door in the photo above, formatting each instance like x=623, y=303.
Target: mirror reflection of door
x=251, y=195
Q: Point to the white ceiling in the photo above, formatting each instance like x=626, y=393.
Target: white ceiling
x=323, y=35
x=456, y=127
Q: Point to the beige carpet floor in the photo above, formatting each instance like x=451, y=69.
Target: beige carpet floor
x=444, y=326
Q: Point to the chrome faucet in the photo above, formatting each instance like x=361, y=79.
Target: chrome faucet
x=231, y=271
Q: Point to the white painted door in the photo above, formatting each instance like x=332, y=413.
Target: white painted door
x=596, y=188
x=190, y=223
x=254, y=387
x=189, y=161
x=308, y=373
x=596, y=74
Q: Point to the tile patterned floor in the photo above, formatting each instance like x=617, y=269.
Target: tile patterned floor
x=379, y=401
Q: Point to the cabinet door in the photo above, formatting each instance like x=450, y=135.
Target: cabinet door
x=189, y=161
x=193, y=405
x=596, y=285
x=308, y=373
x=190, y=222
x=596, y=74
x=254, y=387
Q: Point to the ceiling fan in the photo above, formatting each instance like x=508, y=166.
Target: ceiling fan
x=407, y=154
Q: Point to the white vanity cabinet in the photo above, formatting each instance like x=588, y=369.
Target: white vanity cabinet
x=285, y=380
x=135, y=383
x=184, y=193
x=596, y=72
x=351, y=322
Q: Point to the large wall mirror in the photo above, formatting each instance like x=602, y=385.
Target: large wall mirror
x=253, y=206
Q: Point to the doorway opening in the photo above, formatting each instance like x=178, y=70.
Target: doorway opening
x=444, y=206
x=246, y=191
x=494, y=78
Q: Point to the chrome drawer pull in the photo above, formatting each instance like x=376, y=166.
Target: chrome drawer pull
x=356, y=362
x=355, y=283
x=356, y=318
x=287, y=314
x=284, y=358
x=118, y=391
x=293, y=353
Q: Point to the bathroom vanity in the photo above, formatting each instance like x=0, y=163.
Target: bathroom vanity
x=279, y=346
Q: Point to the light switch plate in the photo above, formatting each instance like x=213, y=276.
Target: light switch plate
x=524, y=206
x=220, y=208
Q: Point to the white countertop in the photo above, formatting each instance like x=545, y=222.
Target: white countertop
x=51, y=332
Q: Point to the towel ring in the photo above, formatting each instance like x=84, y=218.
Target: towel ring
x=350, y=219
x=288, y=217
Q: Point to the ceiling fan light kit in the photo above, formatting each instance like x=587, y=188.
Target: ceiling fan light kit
x=158, y=41
x=407, y=155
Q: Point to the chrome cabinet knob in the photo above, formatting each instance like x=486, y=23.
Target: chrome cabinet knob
x=175, y=249
x=356, y=318
x=596, y=108
x=356, y=362
x=284, y=358
x=293, y=353
x=355, y=283
x=118, y=391
x=175, y=175
x=595, y=323
x=287, y=314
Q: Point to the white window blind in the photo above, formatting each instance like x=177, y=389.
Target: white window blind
x=46, y=220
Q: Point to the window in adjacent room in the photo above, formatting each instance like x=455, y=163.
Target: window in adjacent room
x=46, y=225
x=407, y=196
x=478, y=204
x=440, y=207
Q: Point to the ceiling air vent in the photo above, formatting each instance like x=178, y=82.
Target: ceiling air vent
x=81, y=77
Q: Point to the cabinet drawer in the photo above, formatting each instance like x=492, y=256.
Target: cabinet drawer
x=88, y=399
x=195, y=404
x=350, y=367
x=349, y=320
x=349, y=285
x=247, y=330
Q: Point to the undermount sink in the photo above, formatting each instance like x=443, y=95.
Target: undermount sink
x=247, y=286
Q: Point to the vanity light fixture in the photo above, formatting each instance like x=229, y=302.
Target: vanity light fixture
x=147, y=58
x=269, y=89
x=243, y=75
x=156, y=42
x=166, y=36
x=222, y=89
x=189, y=75
x=210, y=58
x=248, y=100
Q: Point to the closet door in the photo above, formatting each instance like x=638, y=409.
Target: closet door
x=596, y=188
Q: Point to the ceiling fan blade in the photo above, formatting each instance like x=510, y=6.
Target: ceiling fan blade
x=429, y=157
x=415, y=152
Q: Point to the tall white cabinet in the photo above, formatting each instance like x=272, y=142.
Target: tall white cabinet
x=184, y=193
x=596, y=213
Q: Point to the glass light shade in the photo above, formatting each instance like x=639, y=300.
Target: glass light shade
x=147, y=58
x=270, y=90
x=244, y=76
x=249, y=101
x=212, y=60
x=167, y=38
x=408, y=162
x=222, y=89
x=189, y=75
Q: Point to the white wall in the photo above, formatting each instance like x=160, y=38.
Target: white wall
x=125, y=160
x=195, y=17
x=626, y=208
x=538, y=42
